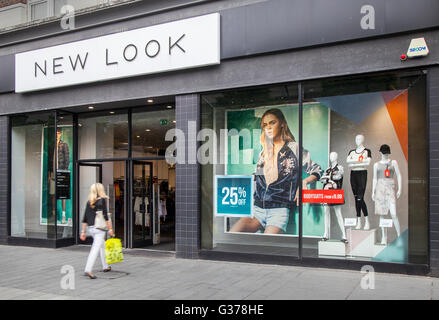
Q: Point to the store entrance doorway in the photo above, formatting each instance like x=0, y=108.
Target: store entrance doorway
x=112, y=175
x=125, y=151
x=143, y=201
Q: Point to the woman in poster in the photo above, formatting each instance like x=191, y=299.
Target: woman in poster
x=277, y=177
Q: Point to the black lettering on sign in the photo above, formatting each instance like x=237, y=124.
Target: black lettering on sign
x=148, y=52
x=57, y=65
x=175, y=44
x=125, y=51
x=78, y=58
x=39, y=67
x=106, y=59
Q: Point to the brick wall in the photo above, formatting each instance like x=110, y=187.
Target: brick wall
x=5, y=3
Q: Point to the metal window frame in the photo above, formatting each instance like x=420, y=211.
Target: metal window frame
x=49, y=10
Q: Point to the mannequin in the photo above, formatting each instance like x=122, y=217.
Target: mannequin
x=383, y=189
x=333, y=179
x=358, y=159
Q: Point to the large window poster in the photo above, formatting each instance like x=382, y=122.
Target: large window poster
x=64, y=169
x=244, y=157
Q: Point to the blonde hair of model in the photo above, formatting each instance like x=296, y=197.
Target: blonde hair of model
x=97, y=191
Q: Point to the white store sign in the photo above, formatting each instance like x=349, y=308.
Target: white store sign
x=177, y=45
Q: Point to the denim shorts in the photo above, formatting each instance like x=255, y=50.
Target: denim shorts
x=277, y=217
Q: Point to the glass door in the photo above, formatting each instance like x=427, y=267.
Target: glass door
x=142, y=203
x=88, y=174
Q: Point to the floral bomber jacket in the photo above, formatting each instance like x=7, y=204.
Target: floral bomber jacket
x=281, y=193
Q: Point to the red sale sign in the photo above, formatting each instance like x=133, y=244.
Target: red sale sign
x=323, y=196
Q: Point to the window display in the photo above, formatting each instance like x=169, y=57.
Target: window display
x=258, y=132
x=41, y=184
x=64, y=166
x=32, y=211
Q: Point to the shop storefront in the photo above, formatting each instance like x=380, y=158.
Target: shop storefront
x=218, y=136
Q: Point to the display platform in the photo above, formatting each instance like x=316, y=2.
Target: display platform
x=362, y=243
x=332, y=248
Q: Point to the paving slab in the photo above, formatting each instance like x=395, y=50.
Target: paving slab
x=35, y=273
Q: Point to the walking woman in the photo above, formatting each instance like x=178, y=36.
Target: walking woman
x=277, y=177
x=96, y=202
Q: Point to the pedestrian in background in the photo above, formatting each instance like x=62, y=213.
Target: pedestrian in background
x=96, y=202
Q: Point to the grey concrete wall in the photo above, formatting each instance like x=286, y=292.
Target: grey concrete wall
x=433, y=91
x=187, y=197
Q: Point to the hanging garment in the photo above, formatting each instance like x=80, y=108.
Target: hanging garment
x=117, y=191
x=385, y=188
x=162, y=211
x=137, y=203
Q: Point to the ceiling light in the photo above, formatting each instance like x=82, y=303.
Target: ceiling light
x=138, y=136
x=112, y=112
x=91, y=107
x=148, y=130
x=150, y=101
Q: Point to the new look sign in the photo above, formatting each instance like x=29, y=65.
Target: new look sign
x=183, y=44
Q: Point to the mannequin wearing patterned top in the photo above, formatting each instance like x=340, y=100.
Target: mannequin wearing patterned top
x=333, y=179
x=383, y=189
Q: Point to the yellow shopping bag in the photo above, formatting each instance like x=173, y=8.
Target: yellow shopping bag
x=113, y=251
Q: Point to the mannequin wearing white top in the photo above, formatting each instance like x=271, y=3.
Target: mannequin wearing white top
x=358, y=159
x=337, y=177
x=388, y=202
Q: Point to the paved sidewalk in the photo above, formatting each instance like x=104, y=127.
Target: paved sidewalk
x=35, y=273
